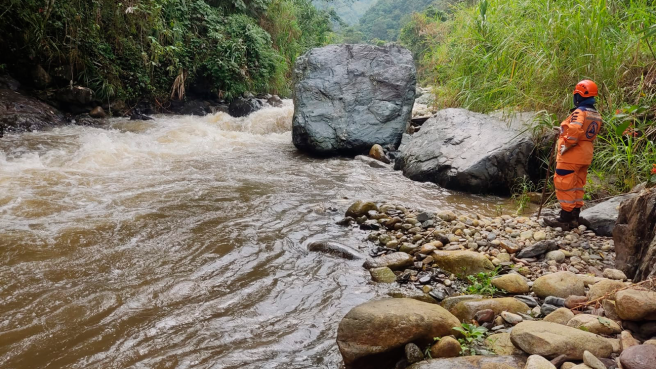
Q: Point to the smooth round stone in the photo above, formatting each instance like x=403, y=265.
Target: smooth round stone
x=556, y=255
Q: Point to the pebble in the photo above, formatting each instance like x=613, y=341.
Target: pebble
x=511, y=318
x=592, y=361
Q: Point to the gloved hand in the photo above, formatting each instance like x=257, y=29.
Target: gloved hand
x=563, y=149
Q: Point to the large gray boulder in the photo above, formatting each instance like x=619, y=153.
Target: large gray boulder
x=349, y=97
x=601, y=218
x=468, y=151
x=20, y=113
x=635, y=236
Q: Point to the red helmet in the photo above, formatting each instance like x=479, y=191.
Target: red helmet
x=586, y=88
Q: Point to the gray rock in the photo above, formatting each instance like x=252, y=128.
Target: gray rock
x=75, y=95
x=635, y=236
x=537, y=249
x=241, y=107
x=467, y=151
x=371, y=162
x=20, y=113
x=601, y=218
x=473, y=362
x=335, y=249
x=349, y=97
x=413, y=353
x=528, y=300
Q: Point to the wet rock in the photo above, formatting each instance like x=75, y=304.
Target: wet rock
x=590, y=360
x=378, y=153
x=511, y=283
x=468, y=151
x=639, y=357
x=370, y=161
x=466, y=310
x=547, y=309
x=413, y=353
x=350, y=97
x=473, y=362
x=636, y=305
x=537, y=249
x=382, y=275
x=614, y=274
x=19, y=113
x=335, y=249
x=445, y=348
x=604, y=287
x=242, y=106
x=360, y=208
x=462, y=262
x=484, y=316
x=560, y=284
x=396, y=322
x=77, y=95
x=97, y=112
x=394, y=261
x=553, y=300
x=40, y=77
x=601, y=218
x=274, y=101
x=528, y=300
x=452, y=301
x=552, y=339
x=635, y=236
x=594, y=324
x=501, y=345
x=560, y=316
x=538, y=362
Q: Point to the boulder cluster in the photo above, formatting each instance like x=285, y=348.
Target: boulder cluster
x=472, y=291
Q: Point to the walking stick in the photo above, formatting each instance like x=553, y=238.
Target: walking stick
x=544, y=188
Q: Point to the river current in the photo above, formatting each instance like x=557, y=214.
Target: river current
x=180, y=243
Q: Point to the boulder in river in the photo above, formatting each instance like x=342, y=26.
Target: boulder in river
x=635, y=236
x=473, y=362
x=243, y=106
x=350, y=97
x=601, y=218
x=371, y=330
x=335, y=249
x=467, y=151
x=22, y=113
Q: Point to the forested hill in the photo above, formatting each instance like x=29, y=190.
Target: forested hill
x=383, y=21
x=349, y=11
x=149, y=49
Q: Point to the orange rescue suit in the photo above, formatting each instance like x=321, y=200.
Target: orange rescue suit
x=577, y=134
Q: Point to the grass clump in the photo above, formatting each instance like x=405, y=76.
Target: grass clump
x=472, y=337
x=481, y=284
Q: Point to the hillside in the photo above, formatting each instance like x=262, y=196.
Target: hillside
x=383, y=21
x=349, y=11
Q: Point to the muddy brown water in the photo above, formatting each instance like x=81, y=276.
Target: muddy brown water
x=180, y=243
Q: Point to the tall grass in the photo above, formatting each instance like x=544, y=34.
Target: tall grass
x=529, y=54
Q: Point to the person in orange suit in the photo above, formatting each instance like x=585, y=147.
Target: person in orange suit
x=575, y=149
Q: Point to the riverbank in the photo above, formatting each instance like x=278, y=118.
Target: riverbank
x=496, y=273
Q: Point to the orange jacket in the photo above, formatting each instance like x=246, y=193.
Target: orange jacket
x=577, y=133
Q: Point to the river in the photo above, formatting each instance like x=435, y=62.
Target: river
x=180, y=243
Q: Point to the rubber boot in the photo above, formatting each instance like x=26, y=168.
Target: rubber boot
x=566, y=220
x=576, y=214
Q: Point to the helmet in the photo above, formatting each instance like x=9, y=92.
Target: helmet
x=586, y=88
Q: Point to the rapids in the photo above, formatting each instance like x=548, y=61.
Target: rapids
x=180, y=243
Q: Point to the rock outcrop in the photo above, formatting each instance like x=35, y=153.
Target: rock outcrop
x=635, y=236
x=349, y=97
x=601, y=218
x=371, y=330
x=467, y=151
x=20, y=113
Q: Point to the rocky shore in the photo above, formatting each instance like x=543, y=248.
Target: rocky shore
x=494, y=292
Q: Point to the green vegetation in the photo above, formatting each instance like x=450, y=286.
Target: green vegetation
x=384, y=19
x=521, y=194
x=528, y=55
x=473, y=336
x=481, y=284
x=349, y=11
x=155, y=48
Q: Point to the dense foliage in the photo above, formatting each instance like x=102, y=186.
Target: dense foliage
x=152, y=48
x=528, y=54
x=384, y=19
x=349, y=11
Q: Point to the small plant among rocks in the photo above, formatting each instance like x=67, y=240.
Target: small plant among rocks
x=481, y=284
x=473, y=336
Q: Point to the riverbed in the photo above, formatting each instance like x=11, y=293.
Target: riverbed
x=180, y=243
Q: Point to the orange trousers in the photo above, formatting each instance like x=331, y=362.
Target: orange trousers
x=569, y=182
